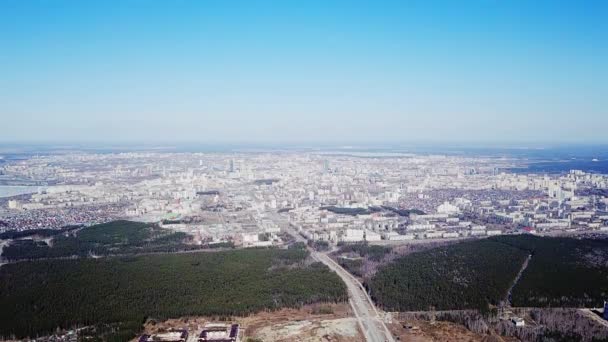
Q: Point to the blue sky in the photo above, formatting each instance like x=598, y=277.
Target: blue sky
x=304, y=71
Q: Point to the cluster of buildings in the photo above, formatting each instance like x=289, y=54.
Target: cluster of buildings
x=22, y=215
x=386, y=225
x=213, y=332
x=249, y=198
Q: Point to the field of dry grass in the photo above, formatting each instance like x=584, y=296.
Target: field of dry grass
x=425, y=331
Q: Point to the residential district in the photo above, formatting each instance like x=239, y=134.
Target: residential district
x=248, y=198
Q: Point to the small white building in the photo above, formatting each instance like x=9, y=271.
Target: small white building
x=250, y=238
x=450, y=235
x=433, y=235
x=425, y=226
x=394, y=236
x=447, y=208
x=352, y=235
x=14, y=204
x=372, y=236
x=518, y=321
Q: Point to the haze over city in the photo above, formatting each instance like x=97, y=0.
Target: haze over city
x=279, y=171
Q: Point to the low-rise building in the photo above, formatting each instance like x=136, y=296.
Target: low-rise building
x=170, y=336
x=372, y=236
x=518, y=321
x=219, y=333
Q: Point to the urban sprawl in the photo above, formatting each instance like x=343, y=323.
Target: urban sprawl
x=248, y=199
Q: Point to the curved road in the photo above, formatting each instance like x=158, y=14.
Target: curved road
x=370, y=320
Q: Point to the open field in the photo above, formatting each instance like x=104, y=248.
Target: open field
x=311, y=323
x=425, y=331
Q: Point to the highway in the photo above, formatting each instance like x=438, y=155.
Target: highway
x=370, y=321
x=368, y=317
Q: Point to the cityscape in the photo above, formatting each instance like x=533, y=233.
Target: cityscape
x=330, y=200
x=325, y=196
x=303, y=171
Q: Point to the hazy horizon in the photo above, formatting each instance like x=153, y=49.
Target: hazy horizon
x=339, y=72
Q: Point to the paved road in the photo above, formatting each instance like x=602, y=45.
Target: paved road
x=370, y=320
x=368, y=316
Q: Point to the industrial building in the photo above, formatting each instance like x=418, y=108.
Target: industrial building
x=171, y=336
x=219, y=333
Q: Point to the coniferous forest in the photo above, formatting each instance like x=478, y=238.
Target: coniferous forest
x=468, y=275
x=562, y=272
x=36, y=297
x=117, y=237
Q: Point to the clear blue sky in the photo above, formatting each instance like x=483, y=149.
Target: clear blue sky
x=304, y=71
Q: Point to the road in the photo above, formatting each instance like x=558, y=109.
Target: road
x=516, y=280
x=368, y=317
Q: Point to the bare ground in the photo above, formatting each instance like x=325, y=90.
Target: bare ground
x=319, y=322
x=425, y=331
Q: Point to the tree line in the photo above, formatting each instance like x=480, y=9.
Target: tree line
x=117, y=237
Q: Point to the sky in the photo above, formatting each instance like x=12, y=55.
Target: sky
x=304, y=71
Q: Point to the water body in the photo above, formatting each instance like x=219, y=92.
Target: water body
x=11, y=190
x=564, y=166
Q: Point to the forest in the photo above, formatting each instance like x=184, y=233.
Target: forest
x=563, y=272
x=117, y=237
x=360, y=259
x=468, y=275
x=347, y=211
x=42, y=232
x=403, y=212
x=37, y=297
x=364, y=250
x=554, y=324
